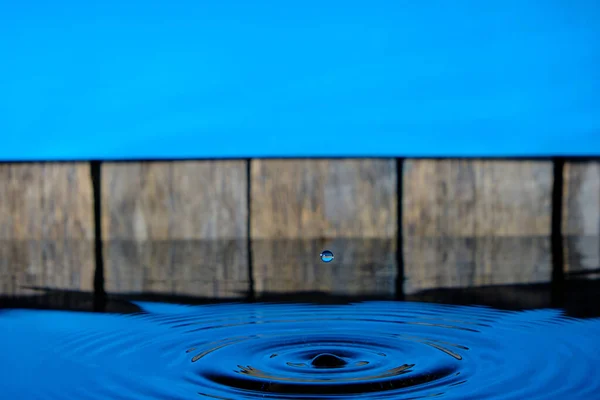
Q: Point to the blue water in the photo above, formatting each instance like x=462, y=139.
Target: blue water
x=369, y=350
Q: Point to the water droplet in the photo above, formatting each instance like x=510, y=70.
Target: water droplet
x=326, y=256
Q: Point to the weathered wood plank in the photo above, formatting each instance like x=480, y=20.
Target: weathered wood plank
x=477, y=198
x=176, y=227
x=472, y=222
x=300, y=207
x=46, y=227
x=323, y=198
x=581, y=216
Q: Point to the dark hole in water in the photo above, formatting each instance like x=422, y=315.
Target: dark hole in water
x=327, y=360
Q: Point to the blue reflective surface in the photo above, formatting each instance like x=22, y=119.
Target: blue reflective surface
x=195, y=79
x=371, y=350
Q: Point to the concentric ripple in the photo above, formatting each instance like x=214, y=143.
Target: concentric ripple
x=371, y=350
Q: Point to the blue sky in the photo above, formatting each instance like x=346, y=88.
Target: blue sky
x=196, y=79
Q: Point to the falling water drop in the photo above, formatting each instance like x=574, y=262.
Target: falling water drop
x=326, y=256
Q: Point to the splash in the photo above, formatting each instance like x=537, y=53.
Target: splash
x=370, y=350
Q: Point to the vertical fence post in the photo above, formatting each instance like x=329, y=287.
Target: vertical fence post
x=399, y=233
x=558, y=274
x=251, y=291
x=99, y=293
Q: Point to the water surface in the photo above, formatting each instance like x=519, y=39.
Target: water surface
x=370, y=350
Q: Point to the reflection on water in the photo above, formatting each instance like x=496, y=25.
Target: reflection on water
x=582, y=255
x=211, y=268
x=360, y=266
x=370, y=350
x=166, y=266
x=220, y=269
x=65, y=264
x=444, y=262
x=488, y=270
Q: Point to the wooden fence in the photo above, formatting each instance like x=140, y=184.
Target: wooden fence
x=224, y=228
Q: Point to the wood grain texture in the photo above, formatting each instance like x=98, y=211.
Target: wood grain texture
x=581, y=216
x=477, y=198
x=46, y=227
x=301, y=207
x=176, y=227
x=472, y=222
x=323, y=198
